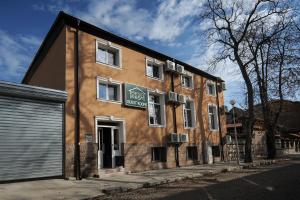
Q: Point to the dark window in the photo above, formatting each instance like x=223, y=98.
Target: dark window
x=187, y=81
x=159, y=154
x=216, y=151
x=192, y=153
x=154, y=70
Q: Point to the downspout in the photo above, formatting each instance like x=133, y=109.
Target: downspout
x=77, y=106
x=174, y=122
x=219, y=121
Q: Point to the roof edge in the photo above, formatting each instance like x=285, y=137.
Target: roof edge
x=66, y=19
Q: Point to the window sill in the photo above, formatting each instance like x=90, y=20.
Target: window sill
x=109, y=101
x=108, y=65
x=214, y=130
x=212, y=95
x=187, y=88
x=157, y=126
x=157, y=79
x=190, y=127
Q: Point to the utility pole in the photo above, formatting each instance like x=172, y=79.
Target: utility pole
x=232, y=102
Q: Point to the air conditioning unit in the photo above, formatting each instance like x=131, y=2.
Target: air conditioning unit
x=173, y=138
x=181, y=98
x=228, y=139
x=180, y=69
x=170, y=66
x=172, y=97
x=184, y=137
x=223, y=86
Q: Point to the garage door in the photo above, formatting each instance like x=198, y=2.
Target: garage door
x=31, y=138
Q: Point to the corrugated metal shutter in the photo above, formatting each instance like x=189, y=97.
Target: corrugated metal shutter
x=31, y=138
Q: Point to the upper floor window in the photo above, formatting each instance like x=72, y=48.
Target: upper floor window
x=187, y=81
x=156, y=109
x=211, y=88
x=108, y=90
x=213, y=117
x=154, y=69
x=189, y=114
x=108, y=54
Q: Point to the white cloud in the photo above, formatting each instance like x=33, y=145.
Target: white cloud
x=120, y=16
x=15, y=55
x=172, y=18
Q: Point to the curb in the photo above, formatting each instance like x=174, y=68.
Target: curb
x=113, y=190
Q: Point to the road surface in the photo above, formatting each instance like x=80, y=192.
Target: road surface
x=280, y=181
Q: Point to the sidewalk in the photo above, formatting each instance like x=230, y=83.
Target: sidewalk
x=92, y=187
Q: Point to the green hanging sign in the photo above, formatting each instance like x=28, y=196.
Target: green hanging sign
x=135, y=96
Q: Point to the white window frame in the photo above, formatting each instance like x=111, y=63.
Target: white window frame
x=207, y=89
x=162, y=110
x=108, y=81
x=193, y=114
x=217, y=117
x=157, y=63
x=109, y=45
x=192, y=81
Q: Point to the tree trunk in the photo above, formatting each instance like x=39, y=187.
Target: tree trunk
x=271, y=149
x=249, y=119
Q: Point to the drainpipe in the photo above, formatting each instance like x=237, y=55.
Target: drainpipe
x=174, y=123
x=77, y=106
x=219, y=121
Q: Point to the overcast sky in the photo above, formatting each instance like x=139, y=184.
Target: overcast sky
x=171, y=27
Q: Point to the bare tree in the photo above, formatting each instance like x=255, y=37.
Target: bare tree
x=233, y=23
x=275, y=67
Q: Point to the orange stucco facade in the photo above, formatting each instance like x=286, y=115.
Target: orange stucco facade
x=57, y=71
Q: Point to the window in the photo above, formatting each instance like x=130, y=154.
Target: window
x=213, y=118
x=187, y=81
x=211, y=88
x=108, y=54
x=159, y=154
x=109, y=90
x=155, y=106
x=154, y=69
x=189, y=114
x=192, y=153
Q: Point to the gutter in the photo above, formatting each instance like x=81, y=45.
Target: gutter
x=175, y=123
x=77, y=106
x=219, y=121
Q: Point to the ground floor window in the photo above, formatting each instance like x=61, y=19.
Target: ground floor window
x=159, y=154
x=192, y=153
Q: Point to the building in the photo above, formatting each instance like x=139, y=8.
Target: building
x=258, y=139
x=287, y=131
x=128, y=107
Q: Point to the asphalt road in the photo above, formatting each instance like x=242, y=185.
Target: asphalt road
x=281, y=181
x=276, y=183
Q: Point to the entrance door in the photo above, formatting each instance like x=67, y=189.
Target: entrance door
x=109, y=146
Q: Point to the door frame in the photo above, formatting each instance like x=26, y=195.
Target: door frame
x=122, y=135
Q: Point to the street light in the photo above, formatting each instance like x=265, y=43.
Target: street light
x=232, y=102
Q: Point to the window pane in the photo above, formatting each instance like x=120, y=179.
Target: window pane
x=189, y=118
x=157, y=114
x=102, y=91
x=111, y=57
x=155, y=71
x=113, y=92
x=211, y=89
x=101, y=55
x=116, y=139
x=149, y=71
